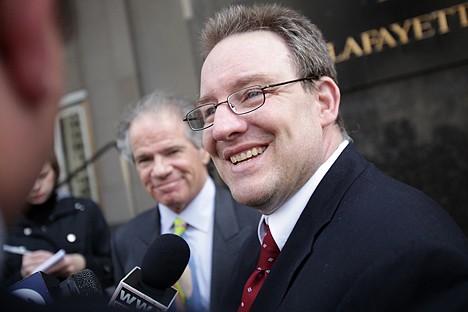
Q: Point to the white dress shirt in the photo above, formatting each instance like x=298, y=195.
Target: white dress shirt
x=199, y=215
x=283, y=220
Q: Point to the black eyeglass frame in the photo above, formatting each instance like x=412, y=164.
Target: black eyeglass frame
x=231, y=107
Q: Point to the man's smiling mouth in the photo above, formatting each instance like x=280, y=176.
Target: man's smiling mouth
x=235, y=159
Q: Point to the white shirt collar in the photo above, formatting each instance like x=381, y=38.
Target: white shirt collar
x=283, y=220
x=198, y=213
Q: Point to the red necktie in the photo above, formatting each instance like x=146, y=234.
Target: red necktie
x=268, y=254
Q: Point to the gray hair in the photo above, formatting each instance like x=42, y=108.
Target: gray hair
x=308, y=47
x=155, y=103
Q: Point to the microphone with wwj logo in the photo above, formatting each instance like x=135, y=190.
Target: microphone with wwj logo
x=150, y=287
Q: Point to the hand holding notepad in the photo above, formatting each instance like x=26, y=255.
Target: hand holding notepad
x=56, y=258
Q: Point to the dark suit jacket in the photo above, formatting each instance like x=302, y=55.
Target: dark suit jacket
x=364, y=242
x=233, y=225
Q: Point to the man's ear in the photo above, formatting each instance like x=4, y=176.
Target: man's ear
x=329, y=101
x=29, y=40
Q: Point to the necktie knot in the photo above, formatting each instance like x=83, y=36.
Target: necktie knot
x=179, y=226
x=268, y=253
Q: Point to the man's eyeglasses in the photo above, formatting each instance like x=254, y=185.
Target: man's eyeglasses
x=241, y=102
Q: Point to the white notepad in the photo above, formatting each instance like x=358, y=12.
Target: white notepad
x=50, y=262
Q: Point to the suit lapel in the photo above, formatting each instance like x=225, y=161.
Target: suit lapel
x=316, y=216
x=142, y=240
x=225, y=242
x=225, y=217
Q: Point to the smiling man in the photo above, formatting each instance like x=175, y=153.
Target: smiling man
x=172, y=167
x=336, y=233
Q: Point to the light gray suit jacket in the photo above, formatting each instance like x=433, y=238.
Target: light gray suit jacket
x=234, y=225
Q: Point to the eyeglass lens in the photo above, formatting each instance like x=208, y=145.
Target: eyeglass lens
x=240, y=102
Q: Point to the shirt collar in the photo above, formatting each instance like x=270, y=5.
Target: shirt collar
x=198, y=213
x=283, y=220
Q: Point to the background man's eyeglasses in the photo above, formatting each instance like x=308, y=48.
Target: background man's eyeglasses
x=240, y=102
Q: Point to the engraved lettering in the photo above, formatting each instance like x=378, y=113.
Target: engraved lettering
x=396, y=34
x=422, y=27
x=351, y=47
x=402, y=31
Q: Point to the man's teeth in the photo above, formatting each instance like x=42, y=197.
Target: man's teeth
x=247, y=155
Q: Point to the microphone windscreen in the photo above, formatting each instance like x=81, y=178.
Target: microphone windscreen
x=88, y=283
x=165, y=261
x=84, y=283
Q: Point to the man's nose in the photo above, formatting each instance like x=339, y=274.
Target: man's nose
x=227, y=123
x=161, y=167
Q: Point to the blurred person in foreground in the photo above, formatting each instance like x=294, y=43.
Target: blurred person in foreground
x=52, y=222
x=32, y=35
x=172, y=166
x=341, y=235
x=31, y=84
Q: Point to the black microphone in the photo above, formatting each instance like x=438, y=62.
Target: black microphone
x=84, y=283
x=43, y=289
x=150, y=287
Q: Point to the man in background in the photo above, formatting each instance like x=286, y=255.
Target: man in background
x=338, y=235
x=172, y=167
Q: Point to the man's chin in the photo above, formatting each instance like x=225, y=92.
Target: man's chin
x=174, y=204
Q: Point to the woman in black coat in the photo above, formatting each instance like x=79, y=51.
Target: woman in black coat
x=49, y=224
